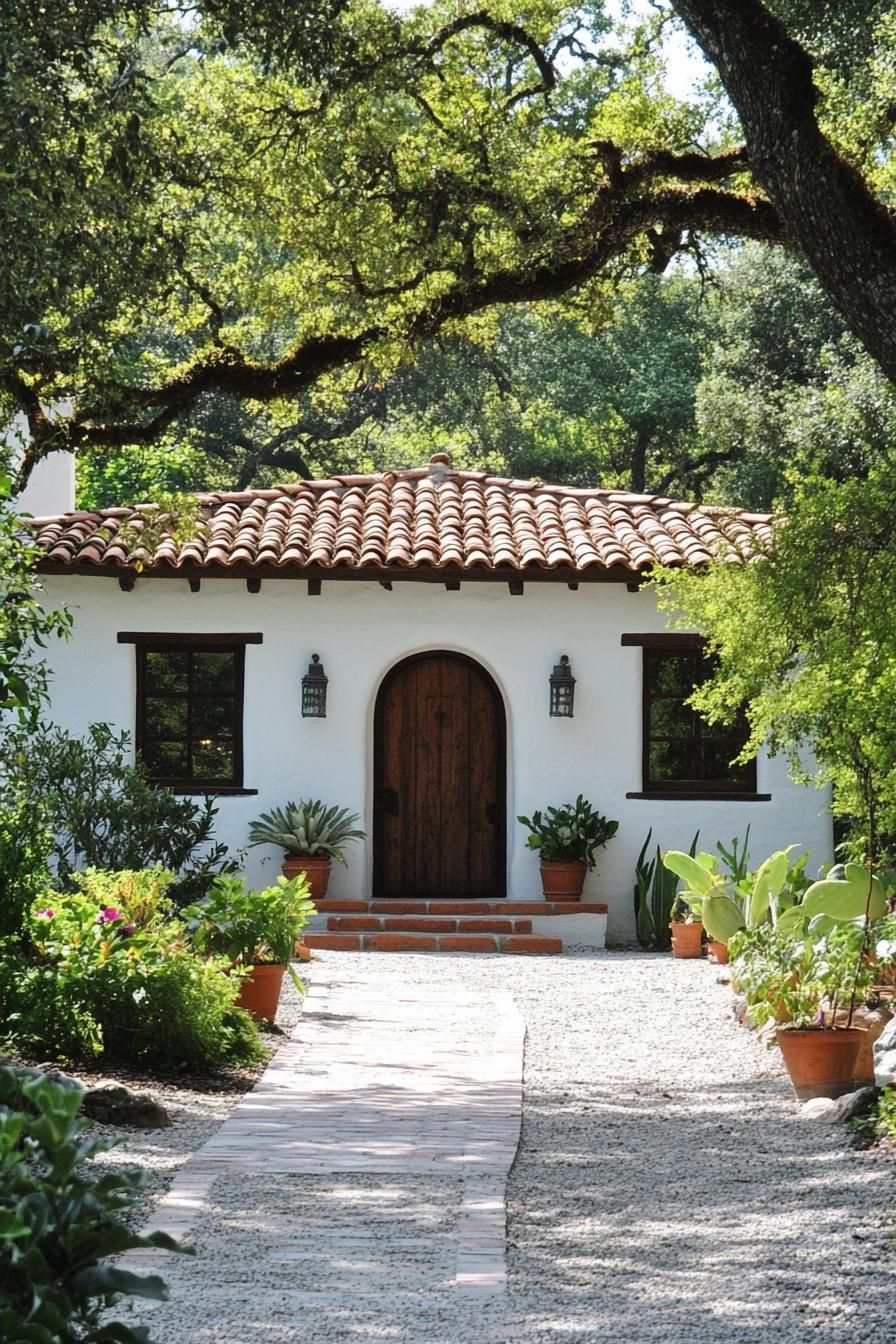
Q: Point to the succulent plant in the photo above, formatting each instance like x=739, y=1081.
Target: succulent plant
x=306, y=829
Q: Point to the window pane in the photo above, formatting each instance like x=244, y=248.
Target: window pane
x=165, y=718
x=671, y=673
x=671, y=760
x=671, y=718
x=212, y=760
x=166, y=760
x=213, y=671
x=166, y=671
x=212, y=718
x=717, y=765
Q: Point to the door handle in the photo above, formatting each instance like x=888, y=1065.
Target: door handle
x=491, y=813
x=390, y=802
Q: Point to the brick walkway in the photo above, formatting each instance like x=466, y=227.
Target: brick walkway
x=371, y=1159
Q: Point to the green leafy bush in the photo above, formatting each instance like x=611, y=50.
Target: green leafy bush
x=25, y=844
x=252, y=927
x=104, y=813
x=97, y=981
x=59, y=1222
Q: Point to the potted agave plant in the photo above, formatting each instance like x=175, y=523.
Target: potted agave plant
x=312, y=834
x=566, y=839
x=256, y=931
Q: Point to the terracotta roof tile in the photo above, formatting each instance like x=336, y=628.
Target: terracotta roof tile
x=424, y=517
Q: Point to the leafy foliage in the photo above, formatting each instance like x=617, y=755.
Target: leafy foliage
x=570, y=833
x=797, y=980
x=307, y=828
x=25, y=623
x=804, y=636
x=105, y=814
x=655, y=888
x=120, y=979
x=25, y=844
x=251, y=927
x=60, y=1223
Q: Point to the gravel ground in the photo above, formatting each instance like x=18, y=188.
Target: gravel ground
x=665, y=1187
x=196, y=1112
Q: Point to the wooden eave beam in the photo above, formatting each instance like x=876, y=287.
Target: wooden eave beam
x=386, y=578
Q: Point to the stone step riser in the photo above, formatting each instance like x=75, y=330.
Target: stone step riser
x=462, y=909
x=425, y=924
x=519, y=943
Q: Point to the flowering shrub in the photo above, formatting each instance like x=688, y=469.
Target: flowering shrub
x=121, y=977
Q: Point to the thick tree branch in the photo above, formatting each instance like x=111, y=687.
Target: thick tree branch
x=608, y=231
x=847, y=234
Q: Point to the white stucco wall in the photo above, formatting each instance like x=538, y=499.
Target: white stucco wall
x=360, y=630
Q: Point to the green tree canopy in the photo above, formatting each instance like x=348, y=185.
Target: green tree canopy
x=233, y=198
x=805, y=636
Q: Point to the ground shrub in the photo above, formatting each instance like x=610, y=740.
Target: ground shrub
x=880, y=1121
x=25, y=844
x=108, y=972
x=59, y=1221
x=104, y=813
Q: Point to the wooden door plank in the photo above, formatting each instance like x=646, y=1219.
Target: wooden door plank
x=392, y=734
x=485, y=805
x=454, y=780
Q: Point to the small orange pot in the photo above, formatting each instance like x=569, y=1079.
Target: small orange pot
x=563, y=881
x=821, y=1061
x=316, y=870
x=260, y=991
x=687, y=940
x=718, y=952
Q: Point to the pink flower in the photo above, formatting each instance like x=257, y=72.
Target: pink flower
x=44, y=914
x=109, y=915
x=127, y=929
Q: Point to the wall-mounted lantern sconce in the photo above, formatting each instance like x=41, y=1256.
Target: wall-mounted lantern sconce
x=314, y=690
x=563, y=689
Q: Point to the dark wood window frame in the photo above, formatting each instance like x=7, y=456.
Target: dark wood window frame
x=702, y=790
x=165, y=642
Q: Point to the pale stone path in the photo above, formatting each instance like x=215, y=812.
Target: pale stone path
x=362, y=1179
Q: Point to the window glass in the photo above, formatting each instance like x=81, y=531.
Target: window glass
x=189, y=715
x=682, y=753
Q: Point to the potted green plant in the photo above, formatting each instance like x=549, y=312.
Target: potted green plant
x=686, y=926
x=257, y=931
x=809, y=967
x=566, y=839
x=802, y=984
x=729, y=898
x=312, y=834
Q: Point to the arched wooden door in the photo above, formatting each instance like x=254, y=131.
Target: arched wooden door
x=439, y=781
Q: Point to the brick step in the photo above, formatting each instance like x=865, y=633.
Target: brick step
x=502, y=909
x=518, y=943
x=426, y=924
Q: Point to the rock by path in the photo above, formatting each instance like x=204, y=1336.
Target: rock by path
x=664, y=1190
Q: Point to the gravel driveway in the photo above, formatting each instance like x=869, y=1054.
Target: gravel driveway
x=665, y=1187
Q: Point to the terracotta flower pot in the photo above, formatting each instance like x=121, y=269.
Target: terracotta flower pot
x=870, y=1022
x=260, y=991
x=718, y=952
x=316, y=869
x=821, y=1061
x=687, y=940
x=563, y=881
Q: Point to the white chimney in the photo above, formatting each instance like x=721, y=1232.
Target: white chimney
x=51, y=487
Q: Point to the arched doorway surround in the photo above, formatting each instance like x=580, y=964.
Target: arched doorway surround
x=440, y=771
